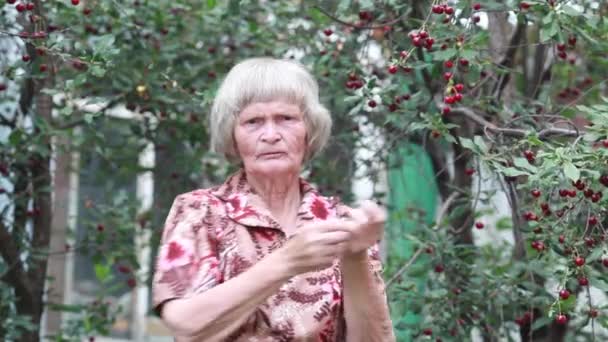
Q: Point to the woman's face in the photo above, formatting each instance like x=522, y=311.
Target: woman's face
x=271, y=137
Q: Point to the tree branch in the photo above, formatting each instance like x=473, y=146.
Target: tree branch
x=512, y=132
x=15, y=275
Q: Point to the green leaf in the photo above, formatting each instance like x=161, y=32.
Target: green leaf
x=467, y=143
x=211, y=4
x=442, y=55
x=548, y=32
x=15, y=137
x=366, y=4
x=541, y=322
x=468, y=54
x=595, y=255
x=102, y=271
x=98, y=71
x=343, y=6
x=234, y=7
x=480, y=143
x=569, y=10
x=523, y=163
x=571, y=171
x=513, y=172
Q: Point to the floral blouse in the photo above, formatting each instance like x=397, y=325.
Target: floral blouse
x=212, y=235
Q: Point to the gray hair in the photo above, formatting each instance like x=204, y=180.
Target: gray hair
x=265, y=79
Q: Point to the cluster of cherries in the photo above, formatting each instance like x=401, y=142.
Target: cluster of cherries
x=561, y=49
x=29, y=6
x=422, y=39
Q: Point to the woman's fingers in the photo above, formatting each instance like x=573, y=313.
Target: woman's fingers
x=374, y=212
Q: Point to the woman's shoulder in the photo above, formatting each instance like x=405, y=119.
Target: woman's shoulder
x=198, y=199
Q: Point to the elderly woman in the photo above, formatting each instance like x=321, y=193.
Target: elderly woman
x=264, y=256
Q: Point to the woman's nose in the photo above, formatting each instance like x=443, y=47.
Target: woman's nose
x=270, y=133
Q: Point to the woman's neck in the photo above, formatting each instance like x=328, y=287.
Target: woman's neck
x=281, y=194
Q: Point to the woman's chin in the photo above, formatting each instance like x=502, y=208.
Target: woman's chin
x=275, y=166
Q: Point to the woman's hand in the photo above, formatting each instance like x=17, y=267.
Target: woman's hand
x=369, y=221
x=315, y=246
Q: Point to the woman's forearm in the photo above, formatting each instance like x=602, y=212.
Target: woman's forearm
x=365, y=307
x=221, y=310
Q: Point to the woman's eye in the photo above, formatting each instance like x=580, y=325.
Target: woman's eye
x=252, y=121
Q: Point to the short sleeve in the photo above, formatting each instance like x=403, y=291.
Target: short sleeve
x=187, y=261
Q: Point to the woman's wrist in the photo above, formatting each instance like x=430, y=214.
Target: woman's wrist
x=355, y=258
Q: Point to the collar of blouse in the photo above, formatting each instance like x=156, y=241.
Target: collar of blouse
x=245, y=207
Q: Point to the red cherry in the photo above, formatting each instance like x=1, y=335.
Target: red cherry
x=596, y=197
x=328, y=32
x=561, y=239
x=572, y=40
x=476, y=19
x=449, y=100
x=403, y=54
x=29, y=6
x=544, y=206
x=529, y=154
x=439, y=268
x=459, y=87
x=562, y=55
x=535, y=193
x=20, y=7
x=427, y=331
x=605, y=262
x=604, y=180
x=3, y=87
x=579, y=261
x=448, y=64
x=592, y=220
x=449, y=10
x=75, y=2
x=393, y=69
x=524, y=5
x=605, y=143
x=593, y=313
x=469, y=171
x=564, y=294
x=88, y=11
x=446, y=110
x=417, y=41
x=561, y=319
x=447, y=76
x=131, y=283
x=464, y=62
x=10, y=2
x=372, y=103
x=476, y=6
x=479, y=225
x=583, y=281
x=561, y=47
x=43, y=67
x=423, y=34
x=124, y=269
x=458, y=97
x=588, y=193
x=100, y=227
x=437, y=9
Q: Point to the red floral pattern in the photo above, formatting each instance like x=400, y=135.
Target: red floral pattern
x=212, y=235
